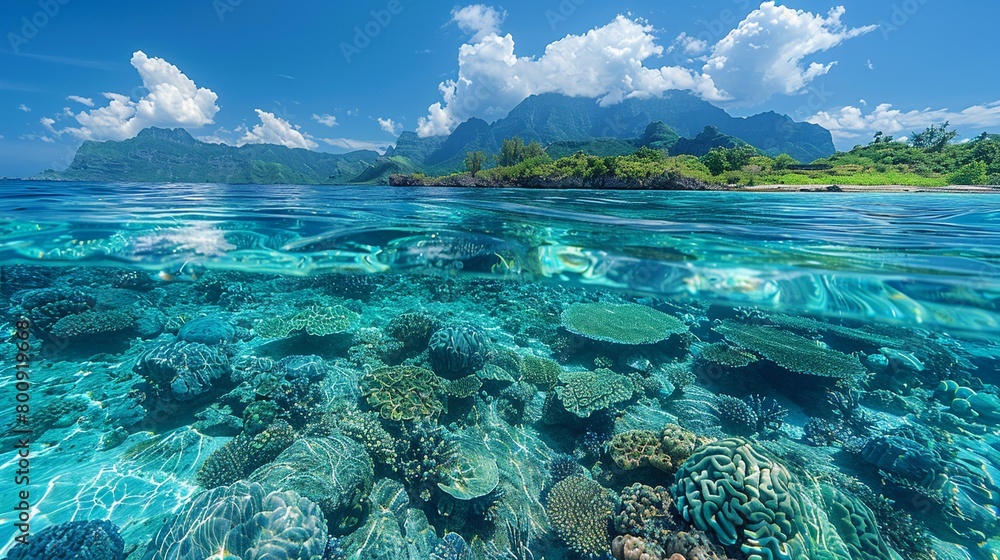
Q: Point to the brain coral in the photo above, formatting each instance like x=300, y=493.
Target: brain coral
x=75, y=540
x=404, y=392
x=335, y=472
x=457, y=351
x=242, y=521
x=855, y=524
x=580, y=511
x=733, y=491
x=625, y=323
x=791, y=351
x=183, y=370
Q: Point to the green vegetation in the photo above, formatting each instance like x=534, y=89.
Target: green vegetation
x=474, y=161
x=515, y=151
x=929, y=160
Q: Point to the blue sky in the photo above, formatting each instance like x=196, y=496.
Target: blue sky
x=334, y=76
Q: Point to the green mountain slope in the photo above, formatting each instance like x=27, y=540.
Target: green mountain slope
x=554, y=119
x=173, y=155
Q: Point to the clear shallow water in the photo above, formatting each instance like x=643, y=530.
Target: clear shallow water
x=898, y=292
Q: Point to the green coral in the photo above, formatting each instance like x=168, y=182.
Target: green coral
x=733, y=491
x=624, y=323
x=726, y=355
x=791, y=351
x=317, y=320
x=404, y=393
x=664, y=450
x=855, y=524
x=584, y=392
x=538, y=370
x=580, y=511
x=464, y=387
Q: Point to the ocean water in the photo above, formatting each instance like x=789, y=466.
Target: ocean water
x=218, y=372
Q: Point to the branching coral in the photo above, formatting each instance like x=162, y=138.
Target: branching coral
x=580, y=511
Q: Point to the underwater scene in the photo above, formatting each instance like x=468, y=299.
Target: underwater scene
x=318, y=373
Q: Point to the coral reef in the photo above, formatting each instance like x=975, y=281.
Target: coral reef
x=242, y=455
x=404, y=393
x=91, y=323
x=791, y=351
x=183, y=371
x=625, y=323
x=647, y=512
x=538, y=370
x=580, y=511
x=582, y=393
x=316, y=320
x=458, y=351
x=207, y=330
x=242, y=521
x=731, y=490
x=335, y=472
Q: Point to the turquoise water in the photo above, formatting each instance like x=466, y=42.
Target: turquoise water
x=356, y=372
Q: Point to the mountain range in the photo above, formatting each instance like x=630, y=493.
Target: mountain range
x=678, y=122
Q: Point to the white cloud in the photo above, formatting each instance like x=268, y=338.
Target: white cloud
x=870, y=65
x=690, y=45
x=852, y=123
x=479, y=20
x=81, y=100
x=390, y=126
x=172, y=99
x=765, y=55
x=606, y=63
x=24, y=108
x=325, y=119
x=379, y=146
x=275, y=130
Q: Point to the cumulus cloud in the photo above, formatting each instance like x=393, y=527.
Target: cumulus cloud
x=324, y=119
x=605, y=63
x=390, y=126
x=766, y=53
x=478, y=20
x=852, y=123
x=275, y=130
x=172, y=99
x=689, y=45
x=81, y=100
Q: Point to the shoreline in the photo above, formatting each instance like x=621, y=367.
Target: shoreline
x=836, y=188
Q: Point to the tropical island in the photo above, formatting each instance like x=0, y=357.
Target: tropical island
x=677, y=142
